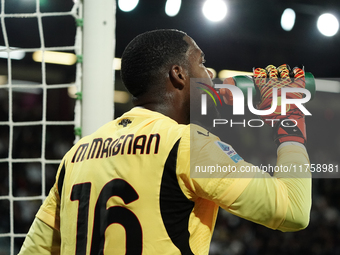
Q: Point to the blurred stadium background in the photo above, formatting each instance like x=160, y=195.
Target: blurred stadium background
x=251, y=34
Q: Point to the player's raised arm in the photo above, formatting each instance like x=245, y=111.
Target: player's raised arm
x=280, y=202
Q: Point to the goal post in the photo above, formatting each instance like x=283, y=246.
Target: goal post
x=27, y=168
x=98, y=57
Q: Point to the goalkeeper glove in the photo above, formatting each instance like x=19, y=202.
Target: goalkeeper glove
x=291, y=126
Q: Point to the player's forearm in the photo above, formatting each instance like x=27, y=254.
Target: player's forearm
x=41, y=239
x=282, y=202
x=274, y=203
x=298, y=204
x=293, y=160
x=297, y=182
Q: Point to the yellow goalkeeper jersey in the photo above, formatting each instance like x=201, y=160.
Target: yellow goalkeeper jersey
x=127, y=189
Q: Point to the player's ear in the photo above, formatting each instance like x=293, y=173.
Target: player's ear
x=178, y=76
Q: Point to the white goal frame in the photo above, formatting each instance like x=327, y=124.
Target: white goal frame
x=98, y=72
x=94, y=83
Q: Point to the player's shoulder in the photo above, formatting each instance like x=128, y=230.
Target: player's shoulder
x=195, y=136
x=141, y=117
x=138, y=122
x=199, y=132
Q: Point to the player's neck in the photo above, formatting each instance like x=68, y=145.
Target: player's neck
x=164, y=108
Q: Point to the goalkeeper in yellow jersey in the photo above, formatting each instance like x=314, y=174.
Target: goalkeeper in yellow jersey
x=127, y=189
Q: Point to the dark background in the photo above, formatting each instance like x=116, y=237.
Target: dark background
x=250, y=35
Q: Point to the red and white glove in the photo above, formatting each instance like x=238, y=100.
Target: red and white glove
x=289, y=127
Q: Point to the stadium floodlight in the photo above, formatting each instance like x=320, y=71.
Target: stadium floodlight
x=214, y=10
x=117, y=63
x=127, y=5
x=328, y=24
x=288, y=19
x=54, y=57
x=213, y=71
x=172, y=7
x=229, y=73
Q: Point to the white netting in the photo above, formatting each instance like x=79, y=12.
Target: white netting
x=32, y=98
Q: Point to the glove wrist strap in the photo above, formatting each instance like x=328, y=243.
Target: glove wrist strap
x=290, y=130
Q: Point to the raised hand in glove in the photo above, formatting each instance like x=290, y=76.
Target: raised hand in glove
x=291, y=126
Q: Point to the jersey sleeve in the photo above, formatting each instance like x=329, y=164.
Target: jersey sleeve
x=284, y=201
x=49, y=211
x=217, y=173
x=41, y=239
x=44, y=236
x=206, y=170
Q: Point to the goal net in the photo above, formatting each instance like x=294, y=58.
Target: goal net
x=43, y=98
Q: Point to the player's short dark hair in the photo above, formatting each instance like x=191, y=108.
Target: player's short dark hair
x=149, y=56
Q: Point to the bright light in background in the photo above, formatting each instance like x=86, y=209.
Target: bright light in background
x=212, y=71
x=327, y=86
x=229, y=73
x=54, y=57
x=214, y=10
x=288, y=19
x=121, y=97
x=328, y=24
x=127, y=5
x=63, y=58
x=172, y=7
x=3, y=79
x=117, y=63
x=17, y=55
